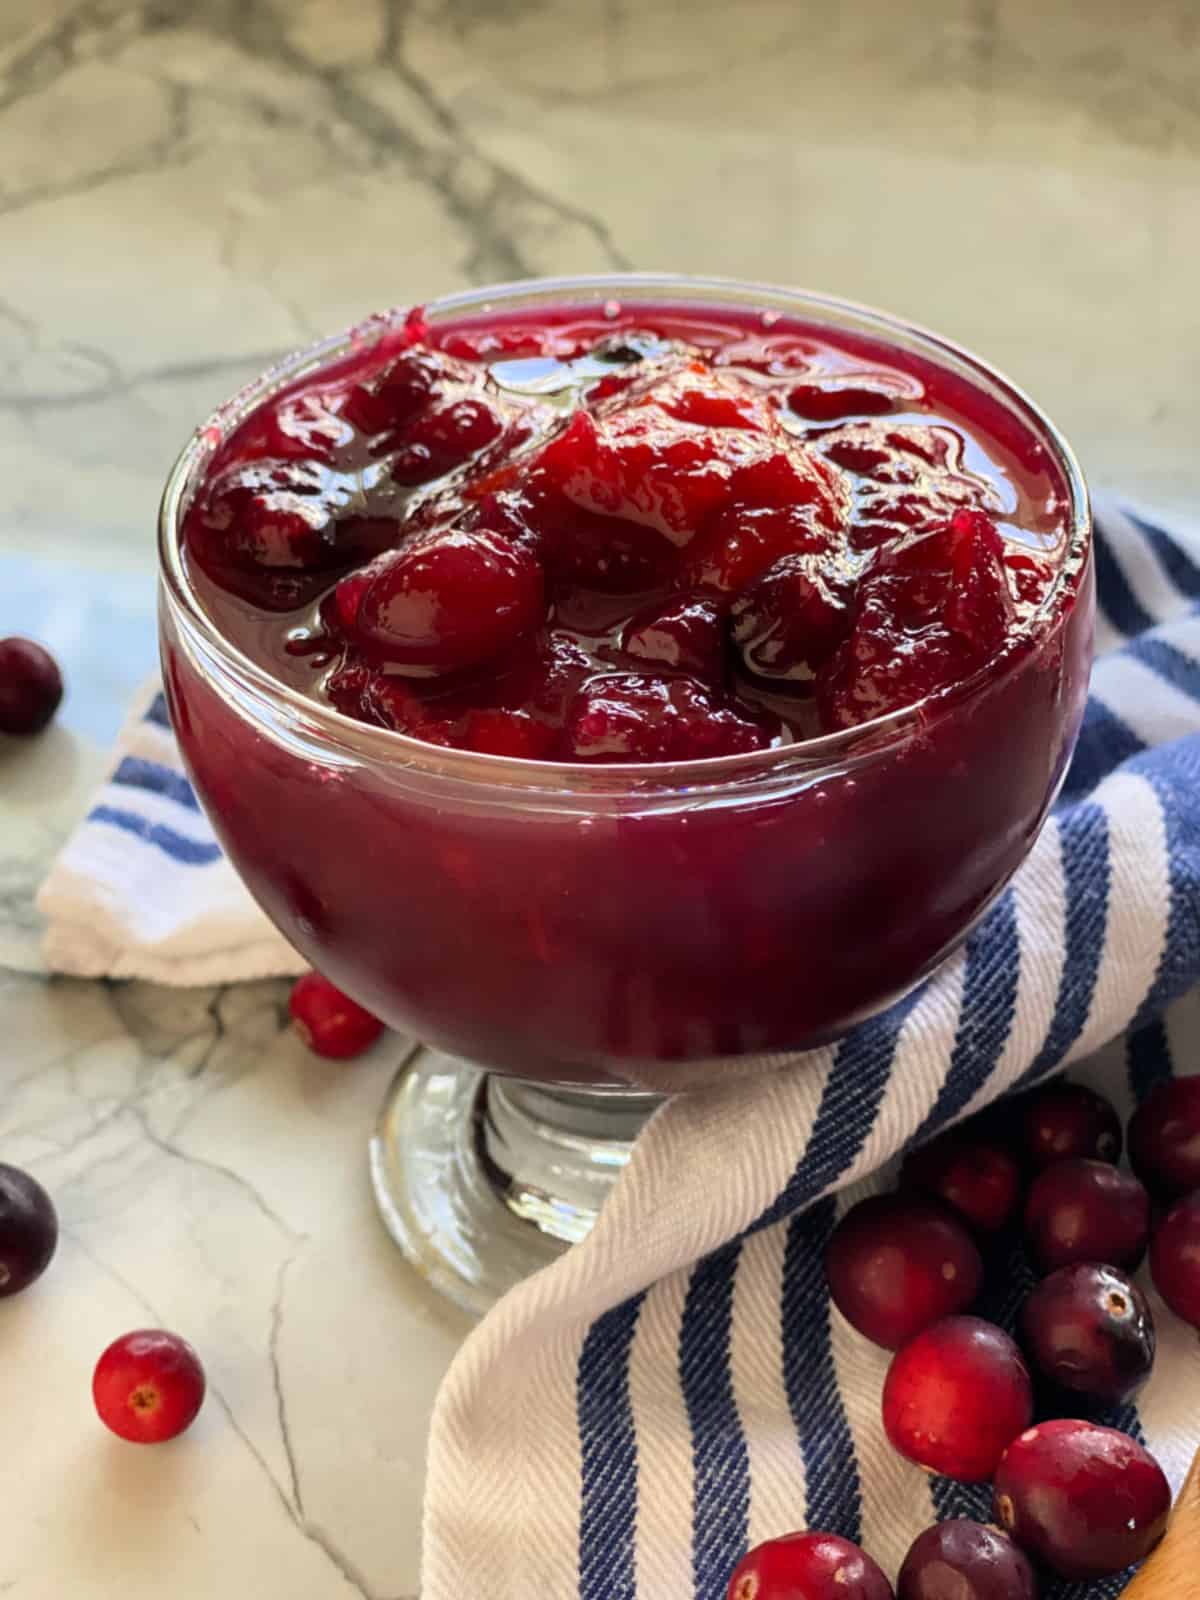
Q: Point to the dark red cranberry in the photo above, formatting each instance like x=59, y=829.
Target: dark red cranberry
x=500, y=732
x=965, y=1560
x=808, y=1566
x=741, y=543
x=1088, y=1328
x=395, y=393
x=148, y=1386
x=955, y=1396
x=31, y=686
x=1066, y=1120
x=979, y=1180
x=329, y=1022
x=630, y=716
x=450, y=600
x=683, y=635
x=1086, y=1211
x=896, y=1264
x=1086, y=1500
x=818, y=403
x=1175, y=1258
x=28, y=1230
x=453, y=432
x=793, y=617
x=1164, y=1139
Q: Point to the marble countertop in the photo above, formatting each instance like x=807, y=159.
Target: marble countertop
x=192, y=187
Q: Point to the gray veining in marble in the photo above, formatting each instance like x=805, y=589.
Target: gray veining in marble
x=189, y=188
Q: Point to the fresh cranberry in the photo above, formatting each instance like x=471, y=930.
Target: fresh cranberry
x=979, y=1180
x=896, y=1264
x=1086, y=1211
x=28, y=1230
x=31, y=686
x=1088, y=1328
x=793, y=617
x=450, y=600
x=965, y=1560
x=148, y=1386
x=955, y=1396
x=329, y=1022
x=629, y=716
x=684, y=635
x=1086, y=1500
x=1175, y=1258
x=1164, y=1139
x=808, y=1566
x=1065, y=1120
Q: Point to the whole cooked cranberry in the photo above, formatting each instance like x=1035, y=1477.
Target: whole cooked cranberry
x=329, y=1022
x=808, y=1566
x=631, y=716
x=895, y=1264
x=450, y=600
x=1086, y=1211
x=684, y=635
x=955, y=1396
x=28, y=1230
x=793, y=617
x=1066, y=1120
x=981, y=1181
x=1175, y=1258
x=148, y=1386
x=1164, y=1139
x=31, y=686
x=455, y=431
x=396, y=392
x=1086, y=1500
x=965, y=1560
x=1088, y=1328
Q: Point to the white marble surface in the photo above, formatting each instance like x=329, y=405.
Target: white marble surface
x=189, y=187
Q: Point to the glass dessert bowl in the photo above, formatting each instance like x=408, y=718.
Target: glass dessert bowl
x=617, y=683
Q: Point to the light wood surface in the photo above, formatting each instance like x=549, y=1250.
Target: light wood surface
x=1172, y=1572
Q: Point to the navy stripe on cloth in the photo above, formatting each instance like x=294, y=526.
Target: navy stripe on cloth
x=157, y=712
x=1104, y=743
x=1117, y=600
x=1179, y=670
x=189, y=852
x=989, y=1004
x=834, y=1495
x=849, y=1105
x=1174, y=560
x=1148, y=1058
x=133, y=773
x=721, y=1463
x=1083, y=837
x=608, y=1516
x=1174, y=771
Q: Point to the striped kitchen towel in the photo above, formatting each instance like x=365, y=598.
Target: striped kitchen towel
x=623, y=1425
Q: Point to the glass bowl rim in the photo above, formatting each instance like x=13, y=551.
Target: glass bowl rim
x=835, y=751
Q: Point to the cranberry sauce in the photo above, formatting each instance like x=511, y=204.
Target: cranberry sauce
x=655, y=537
x=664, y=534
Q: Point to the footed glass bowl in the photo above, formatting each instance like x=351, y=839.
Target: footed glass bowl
x=576, y=941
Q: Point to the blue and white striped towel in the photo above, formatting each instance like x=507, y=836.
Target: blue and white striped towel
x=677, y=1387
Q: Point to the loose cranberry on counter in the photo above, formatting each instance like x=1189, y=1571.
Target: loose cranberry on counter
x=808, y=1566
x=965, y=1560
x=1086, y=1211
x=31, y=687
x=329, y=1022
x=1086, y=1500
x=1175, y=1258
x=955, y=1396
x=1089, y=1329
x=28, y=1230
x=979, y=1179
x=1164, y=1139
x=148, y=1386
x=895, y=1264
x=1066, y=1120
